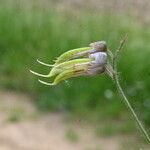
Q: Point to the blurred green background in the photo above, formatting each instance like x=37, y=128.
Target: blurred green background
x=45, y=29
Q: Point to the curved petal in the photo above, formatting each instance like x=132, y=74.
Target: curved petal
x=40, y=75
x=71, y=54
x=40, y=62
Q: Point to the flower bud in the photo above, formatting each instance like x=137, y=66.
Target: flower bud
x=100, y=58
x=100, y=46
x=86, y=61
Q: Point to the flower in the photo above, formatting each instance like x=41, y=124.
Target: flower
x=86, y=61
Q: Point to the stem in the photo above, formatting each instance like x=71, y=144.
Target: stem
x=116, y=55
x=125, y=100
x=131, y=108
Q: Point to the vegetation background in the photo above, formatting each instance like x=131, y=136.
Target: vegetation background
x=43, y=29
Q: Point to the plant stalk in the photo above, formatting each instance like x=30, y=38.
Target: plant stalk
x=117, y=83
x=130, y=108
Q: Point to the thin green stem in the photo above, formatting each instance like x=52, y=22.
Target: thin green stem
x=117, y=53
x=131, y=108
x=125, y=100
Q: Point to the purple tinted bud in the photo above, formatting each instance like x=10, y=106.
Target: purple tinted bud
x=96, y=70
x=100, y=58
x=99, y=46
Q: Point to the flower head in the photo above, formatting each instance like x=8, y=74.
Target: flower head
x=86, y=61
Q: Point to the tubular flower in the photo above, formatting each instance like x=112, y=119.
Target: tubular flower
x=86, y=61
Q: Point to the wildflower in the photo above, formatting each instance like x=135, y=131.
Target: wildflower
x=86, y=61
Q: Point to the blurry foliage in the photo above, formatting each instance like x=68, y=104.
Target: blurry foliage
x=16, y=114
x=72, y=136
x=28, y=33
x=111, y=128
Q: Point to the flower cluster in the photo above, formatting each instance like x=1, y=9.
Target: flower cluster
x=86, y=61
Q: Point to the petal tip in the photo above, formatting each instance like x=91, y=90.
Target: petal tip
x=42, y=63
x=46, y=83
